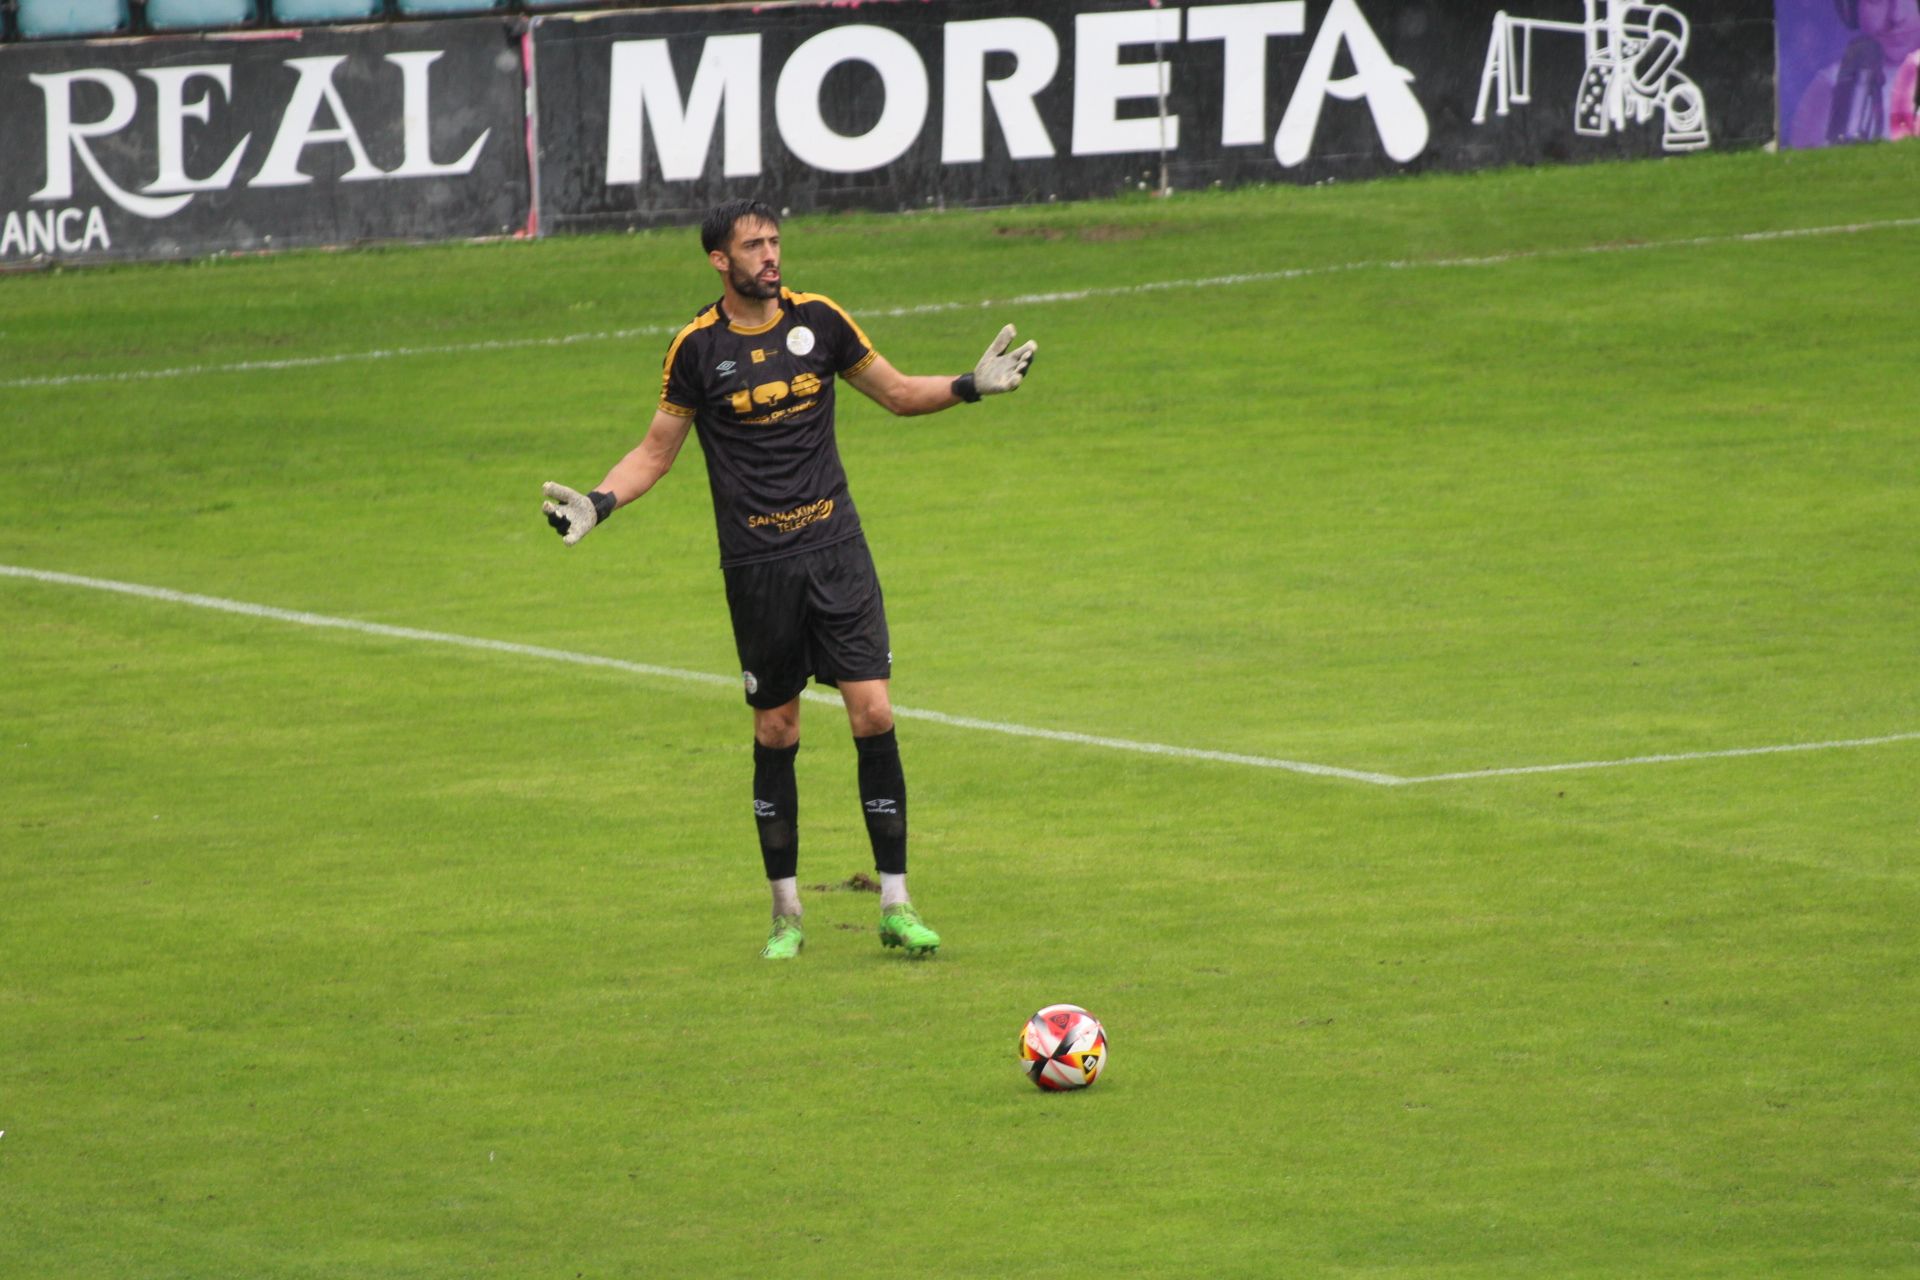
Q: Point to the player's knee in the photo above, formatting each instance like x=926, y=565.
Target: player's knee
x=871, y=718
x=778, y=729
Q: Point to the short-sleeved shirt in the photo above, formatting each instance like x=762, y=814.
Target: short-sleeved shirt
x=761, y=399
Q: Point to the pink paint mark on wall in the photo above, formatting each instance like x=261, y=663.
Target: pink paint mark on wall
x=1901, y=119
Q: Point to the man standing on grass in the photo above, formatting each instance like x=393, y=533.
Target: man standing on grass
x=754, y=374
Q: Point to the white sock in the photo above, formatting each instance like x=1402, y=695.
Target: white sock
x=786, y=896
x=893, y=889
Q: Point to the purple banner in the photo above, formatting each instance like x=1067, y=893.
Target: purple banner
x=1847, y=70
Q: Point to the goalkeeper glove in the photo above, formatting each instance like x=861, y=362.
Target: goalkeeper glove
x=999, y=369
x=575, y=515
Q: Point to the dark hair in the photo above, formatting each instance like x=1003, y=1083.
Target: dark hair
x=716, y=230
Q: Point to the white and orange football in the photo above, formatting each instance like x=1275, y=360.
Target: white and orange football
x=1063, y=1047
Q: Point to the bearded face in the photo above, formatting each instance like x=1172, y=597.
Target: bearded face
x=752, y=259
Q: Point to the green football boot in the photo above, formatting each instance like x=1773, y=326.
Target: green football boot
x=785, y=941
x=901, y=926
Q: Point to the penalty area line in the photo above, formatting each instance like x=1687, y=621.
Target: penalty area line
x=1018, y=300
x=302, y=618
x=1669, y=758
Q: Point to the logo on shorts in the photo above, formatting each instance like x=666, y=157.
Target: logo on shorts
x=751, y=681
x=796, y=519
x=799, y=339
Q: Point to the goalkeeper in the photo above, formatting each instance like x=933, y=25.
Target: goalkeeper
x=754, y=374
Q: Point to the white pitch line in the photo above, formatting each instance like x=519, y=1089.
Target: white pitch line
x=1672, y=758
x=345, y=357
x=304, y=619
x=1152, y=748
x=939, y=308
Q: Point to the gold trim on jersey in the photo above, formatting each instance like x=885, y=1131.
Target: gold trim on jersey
x=860, y=365
x=778, y=316
x=801, y=299
x=705, y=319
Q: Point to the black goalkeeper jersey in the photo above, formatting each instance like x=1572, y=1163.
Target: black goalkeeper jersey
x=761, y=400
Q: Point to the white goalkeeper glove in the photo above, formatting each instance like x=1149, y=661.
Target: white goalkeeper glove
x=999, y=369
x=574, y=515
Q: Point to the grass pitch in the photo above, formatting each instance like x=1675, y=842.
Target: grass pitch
x=335, y=954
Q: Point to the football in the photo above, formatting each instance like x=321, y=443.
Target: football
x=1063, y=1047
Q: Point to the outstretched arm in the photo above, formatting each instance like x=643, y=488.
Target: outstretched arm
x=574, y=515
x=905, y=394
x=652, y=458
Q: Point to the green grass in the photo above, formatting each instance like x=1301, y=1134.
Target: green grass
x=325, y=954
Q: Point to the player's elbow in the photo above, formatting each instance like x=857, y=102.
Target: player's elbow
x=912, y=401
x=899, y=402
x=656, y=462
x=895, y=395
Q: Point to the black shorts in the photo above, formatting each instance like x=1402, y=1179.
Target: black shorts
x=816, y=614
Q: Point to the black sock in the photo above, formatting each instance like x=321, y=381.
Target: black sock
x=776, y=808
x=883, y=794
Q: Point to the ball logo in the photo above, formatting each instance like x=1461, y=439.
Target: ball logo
x=800, y=340
x=1063, y=1047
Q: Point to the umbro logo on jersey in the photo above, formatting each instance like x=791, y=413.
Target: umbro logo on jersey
x=724, y=368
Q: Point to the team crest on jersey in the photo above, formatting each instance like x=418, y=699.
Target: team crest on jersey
x=799, y=339
x=751, y=681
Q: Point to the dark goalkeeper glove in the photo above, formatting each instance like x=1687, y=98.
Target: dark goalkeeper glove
x=574, y=515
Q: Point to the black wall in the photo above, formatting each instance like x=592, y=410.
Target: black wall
x=820, y=106
x=1442, y=44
